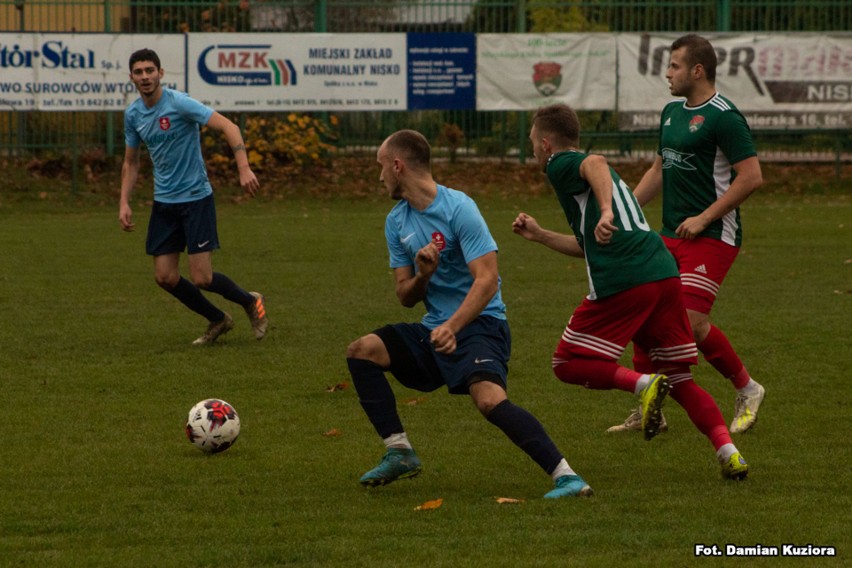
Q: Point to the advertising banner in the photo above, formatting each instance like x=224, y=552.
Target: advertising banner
x=778, y=81
x=442, y=71
x=526, y=71
x=49, y=71
x=300, y=72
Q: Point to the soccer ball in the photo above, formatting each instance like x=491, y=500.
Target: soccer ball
x=213, y=426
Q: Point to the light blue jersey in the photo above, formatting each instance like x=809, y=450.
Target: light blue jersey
x=170, y=130
x=453, y=220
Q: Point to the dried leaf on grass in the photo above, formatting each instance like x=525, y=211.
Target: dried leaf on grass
x=333, y=433
x=508, y=500
x=337, y=387
x=415, y=401
x=428, y=505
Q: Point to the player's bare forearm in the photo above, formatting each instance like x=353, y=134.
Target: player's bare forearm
x=749, y=178
x=562, y=243
x=481, y=292
x=411, y=291
x=527, y=227
x=129, y=175
x=651, y=183
x=483, y=289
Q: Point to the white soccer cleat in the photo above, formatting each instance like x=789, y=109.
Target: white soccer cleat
x=214, y=330
x=634, y=422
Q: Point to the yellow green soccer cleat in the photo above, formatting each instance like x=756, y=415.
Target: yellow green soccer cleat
x=735, y=467
x=745, y=410
x=397, y=463
x=651, y=404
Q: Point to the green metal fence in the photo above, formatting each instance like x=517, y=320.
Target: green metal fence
x=498, y=134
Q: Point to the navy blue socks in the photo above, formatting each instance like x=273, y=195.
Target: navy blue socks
x=191, y=297
x=375, y=395
x=527, y=433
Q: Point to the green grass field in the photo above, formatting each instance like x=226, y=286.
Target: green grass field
x=98, y=374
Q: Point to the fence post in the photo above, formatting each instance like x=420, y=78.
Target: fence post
x=723, y=15
x=838, y=151
x=321, y=16
x=110, y=117
x=321, y=25
x=522, y=118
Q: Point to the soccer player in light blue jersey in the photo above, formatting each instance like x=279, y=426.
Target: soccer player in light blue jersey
x=442, y=254
x=183, y=216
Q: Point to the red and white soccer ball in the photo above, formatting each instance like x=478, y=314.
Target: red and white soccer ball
x=213, y=426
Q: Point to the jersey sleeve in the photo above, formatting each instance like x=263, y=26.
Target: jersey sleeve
x=131, y=137
x=564, y=173
x=734, y=137
x=474, y=237
x=191, y=109
x=396, y=252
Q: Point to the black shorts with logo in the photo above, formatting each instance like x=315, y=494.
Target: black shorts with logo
x=175, y=227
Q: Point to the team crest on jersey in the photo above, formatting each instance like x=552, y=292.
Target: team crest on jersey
x=547, y=76
x=696, y=123
x=439, y=240
x=165, y=124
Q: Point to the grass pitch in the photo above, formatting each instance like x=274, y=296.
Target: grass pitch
x=98, y=375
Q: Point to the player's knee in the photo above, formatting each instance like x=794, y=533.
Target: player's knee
x=487, y=392
x=364, y=348
x=565, y=371
x=167, y=281
x=700, y=324
x=354, y=350
x=202, y=281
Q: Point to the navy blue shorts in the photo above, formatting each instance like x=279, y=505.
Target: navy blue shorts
x=175, y=227
x=482, y=353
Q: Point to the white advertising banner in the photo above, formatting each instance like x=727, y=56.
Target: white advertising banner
x=526, y=71
x=778, y=81
x=51, y=71
x=300, y=72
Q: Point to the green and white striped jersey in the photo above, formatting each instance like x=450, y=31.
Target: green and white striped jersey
x=635, y=255
x=698, y=146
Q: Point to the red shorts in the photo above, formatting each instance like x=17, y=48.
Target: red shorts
x=651, y=315
x=703, y=265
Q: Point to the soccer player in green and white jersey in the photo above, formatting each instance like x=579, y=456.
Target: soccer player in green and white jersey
x=634, y=290
x=706, y=167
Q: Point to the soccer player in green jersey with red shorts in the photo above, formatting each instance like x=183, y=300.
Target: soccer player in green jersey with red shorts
x=634, y=290
x=706, y=167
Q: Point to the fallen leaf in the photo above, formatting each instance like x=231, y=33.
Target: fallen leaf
x=428, y=505
x=333, y=433
x=415, y=401
x=508, y=500
x=337, y=387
